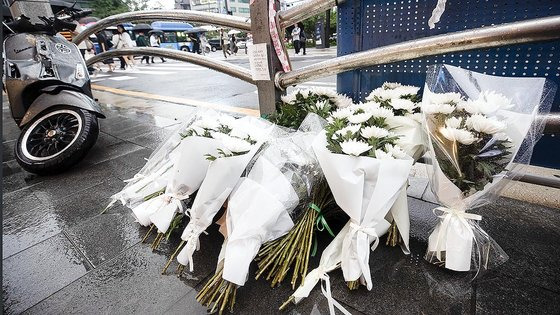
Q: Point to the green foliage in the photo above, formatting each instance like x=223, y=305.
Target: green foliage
x=477, y=163
x=292, y=114
x=105, y=8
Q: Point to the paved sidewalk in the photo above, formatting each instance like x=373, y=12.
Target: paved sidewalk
x=61, y=256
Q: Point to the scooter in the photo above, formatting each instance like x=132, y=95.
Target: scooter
x=50, y=96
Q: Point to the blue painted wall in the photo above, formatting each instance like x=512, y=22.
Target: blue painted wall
x=366, y=24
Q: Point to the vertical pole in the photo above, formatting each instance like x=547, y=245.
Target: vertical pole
x=327, y=28
x=268, y=93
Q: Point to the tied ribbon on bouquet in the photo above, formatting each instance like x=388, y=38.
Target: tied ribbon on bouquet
x=455, y=232
x=316, y=275
x=321, y=224
x=191, y=237
x=171, y=204
x=363, y=237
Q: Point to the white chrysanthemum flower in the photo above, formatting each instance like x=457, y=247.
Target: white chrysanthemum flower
x=391, y=85
x=329, y=92
x=354, y=147
x=407, y=90
x=487, y=103
x=396, y=151
x=383, y=95
x=207, y=123
x=330, y=119
x=320, y=105
x=374, y=132
x=236, y=145
x=438, y=108
x=367, y=107
x=462, y=136
x=353, y=129
x=290, y=97
x=342, y=113
x=382, y=155
x=343, y=101
x=404, y=104
x=381, y=112
x=359, y=118
x=227, y=120
x=485, y=124
x=453, y=122
x=445, y=98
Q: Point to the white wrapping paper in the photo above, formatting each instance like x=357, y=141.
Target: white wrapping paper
x=365, y=188
x=221, y=177
x=185, y=178
x=258, y=211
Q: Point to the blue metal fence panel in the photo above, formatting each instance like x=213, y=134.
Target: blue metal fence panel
x=366, y=24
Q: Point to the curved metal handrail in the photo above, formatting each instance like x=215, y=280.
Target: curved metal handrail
x=218, y=65
x=304, y=11
x=168, y=15
x=541, y=29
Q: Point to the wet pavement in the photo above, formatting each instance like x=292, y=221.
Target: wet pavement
x=60, y=255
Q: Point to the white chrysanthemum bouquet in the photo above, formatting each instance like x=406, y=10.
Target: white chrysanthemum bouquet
x=209, y=138
x=366, y=170
x=295, y=106
x=478, y=125
x=239, y=143
x=263, y=206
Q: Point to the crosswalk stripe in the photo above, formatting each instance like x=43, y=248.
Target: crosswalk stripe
x=122, y=78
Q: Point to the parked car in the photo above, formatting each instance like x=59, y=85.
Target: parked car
x=215, y=44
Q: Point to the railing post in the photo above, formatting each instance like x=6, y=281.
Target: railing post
x=268, y=93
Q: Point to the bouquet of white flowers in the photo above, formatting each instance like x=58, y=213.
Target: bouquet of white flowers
x=224, y=170
x=204, y=140
x=406, y=123
x=295, y=106
x=479, y=128
x=152, y=179
x=262, y=207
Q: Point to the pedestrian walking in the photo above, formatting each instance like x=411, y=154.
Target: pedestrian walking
x=123, y=40
x=302, y=39
x=85, y=45
x=141, y=42
x=154, y=42
x=224, y=44
x=196, y=42
x=105, y=44
x=233, y=44
x=296, y=37
x=203, y=43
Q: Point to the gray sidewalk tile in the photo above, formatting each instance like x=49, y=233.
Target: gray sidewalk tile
x=105, y=236
x=129, y=284
x=152, y=139
x=39, y=271
x=529, y=235
x=25, y=227
x=502, y=295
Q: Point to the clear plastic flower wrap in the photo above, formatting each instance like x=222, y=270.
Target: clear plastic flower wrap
x=480, y=129
x=152, y=179
x=263, y=206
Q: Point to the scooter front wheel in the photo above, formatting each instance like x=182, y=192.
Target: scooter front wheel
x=56, y=140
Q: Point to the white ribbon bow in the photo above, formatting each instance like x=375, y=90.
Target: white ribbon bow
x=191, y=237
x=362, y=237
x=446, y=216
x=310, y=281
x=164, y=216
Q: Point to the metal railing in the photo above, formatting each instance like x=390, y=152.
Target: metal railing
x=218, y=65
x=542, y=29
x=230, y=21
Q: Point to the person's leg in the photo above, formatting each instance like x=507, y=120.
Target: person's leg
x=304, y=44
x=123, y=63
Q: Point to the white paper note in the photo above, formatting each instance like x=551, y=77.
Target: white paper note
x=258, y=60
